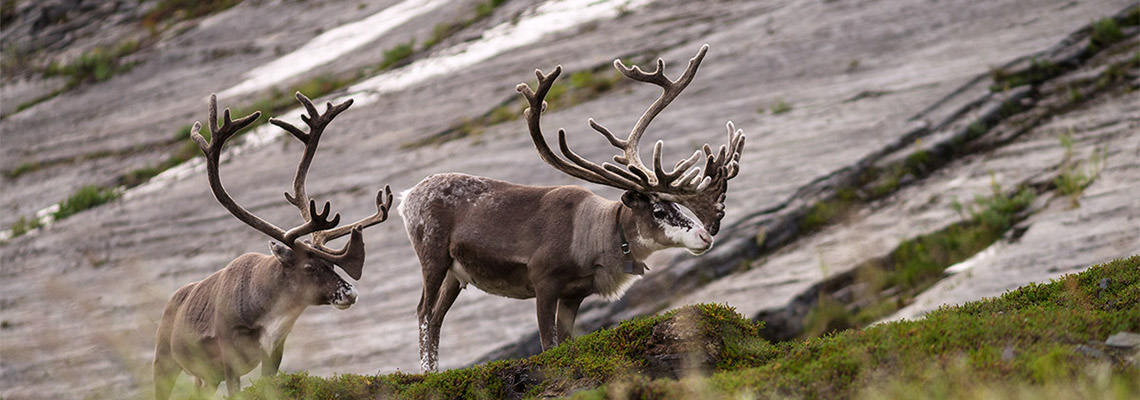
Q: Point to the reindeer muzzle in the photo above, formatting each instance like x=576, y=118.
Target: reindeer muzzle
x=344, y=297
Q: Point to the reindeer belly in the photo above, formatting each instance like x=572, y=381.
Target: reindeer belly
x=500, y=279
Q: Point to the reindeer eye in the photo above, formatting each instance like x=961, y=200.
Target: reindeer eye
x=658, y=213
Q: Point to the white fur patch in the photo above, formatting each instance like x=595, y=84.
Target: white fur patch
x=612, y=286
x=689, y=237
x=460, y=274
x=427, y=351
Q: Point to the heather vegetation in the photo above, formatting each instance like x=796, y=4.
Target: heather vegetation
x=1042, y=339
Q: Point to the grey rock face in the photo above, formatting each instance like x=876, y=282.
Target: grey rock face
x=81, y=299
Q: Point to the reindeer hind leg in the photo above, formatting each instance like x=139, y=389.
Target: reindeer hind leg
x=435, y=264
x=447, y=295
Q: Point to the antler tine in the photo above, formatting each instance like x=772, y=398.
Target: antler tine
x=383, y=204
x=317, y=123
x=319, y=221
x=670, y=90
x=577, y=166
x=213, y=151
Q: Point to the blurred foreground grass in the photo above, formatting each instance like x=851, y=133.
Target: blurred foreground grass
x=1039, y=341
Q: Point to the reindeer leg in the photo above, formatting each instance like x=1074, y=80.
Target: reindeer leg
x=567, y=312
x=233, y=382
x=446, y=298
x=547, y=302
x=436, y=264
x=272, y=362
x=206, y=388
x=166, y=370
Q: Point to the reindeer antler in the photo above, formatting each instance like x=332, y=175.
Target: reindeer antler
x=687, y=182
x=351, y=256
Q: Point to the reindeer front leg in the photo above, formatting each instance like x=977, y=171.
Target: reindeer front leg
x=547, y=302
x=567, y=312
x=271, y=363
x=233, y=381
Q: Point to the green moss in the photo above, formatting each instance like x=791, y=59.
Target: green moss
x=919, y=262
x=951, y=353
x=955, y=352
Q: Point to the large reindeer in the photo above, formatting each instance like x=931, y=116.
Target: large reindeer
x=560, y=244
x=223, y=326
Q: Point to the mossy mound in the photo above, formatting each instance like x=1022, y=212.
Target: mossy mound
x=1042, y=339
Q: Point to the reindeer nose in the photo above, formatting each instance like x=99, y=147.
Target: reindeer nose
x=704, y=236
x=350, y=296
x=345, y=297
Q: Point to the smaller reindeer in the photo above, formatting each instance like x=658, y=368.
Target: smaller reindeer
x=223, y=326
x=560, y=244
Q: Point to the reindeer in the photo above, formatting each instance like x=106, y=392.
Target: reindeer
x=223, y=326
x=560, y=244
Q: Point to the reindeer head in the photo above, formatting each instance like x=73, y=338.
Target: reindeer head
x=309, y=264
x=313, y=279
x=666, y=195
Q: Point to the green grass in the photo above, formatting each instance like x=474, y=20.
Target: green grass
x=397, y=55
x=97, y=65
x=1039, y=70
x=1104, y=32
x=918, y=263
x=1023, y=343
x=23, y=168
x=179, y=10
x=274, y=103
x=86, y=197
x=1074, y=177
x=444, y=30
x=780, y=107
x=25, y=225
x=580, y=87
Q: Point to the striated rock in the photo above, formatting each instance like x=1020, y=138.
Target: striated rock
x=81, y=298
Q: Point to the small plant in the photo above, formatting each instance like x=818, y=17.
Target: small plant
x=397, y=55
x=1104, y=33
x=780, y=107
x=23, y=168
x=97, y=65
x=827, y=316
x=504, y=113
x=440, y=32
x=25, y=225
x=1073, y=179
x=444, y=30
x=976, y=130
x=86, y=197
x=179, y=10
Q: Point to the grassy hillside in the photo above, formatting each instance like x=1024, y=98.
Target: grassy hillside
x=1038, y=341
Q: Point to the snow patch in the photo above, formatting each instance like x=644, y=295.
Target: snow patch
x=331, y=45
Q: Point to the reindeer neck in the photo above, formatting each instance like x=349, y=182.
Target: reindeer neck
x=640, y=247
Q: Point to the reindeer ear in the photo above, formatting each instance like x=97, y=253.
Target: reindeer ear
x=283, y=253
x=634, y=199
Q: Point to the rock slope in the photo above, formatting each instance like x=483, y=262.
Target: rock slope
x=80, y=299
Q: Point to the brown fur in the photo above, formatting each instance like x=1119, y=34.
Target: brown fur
x=556, y=244
x=223, y=326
